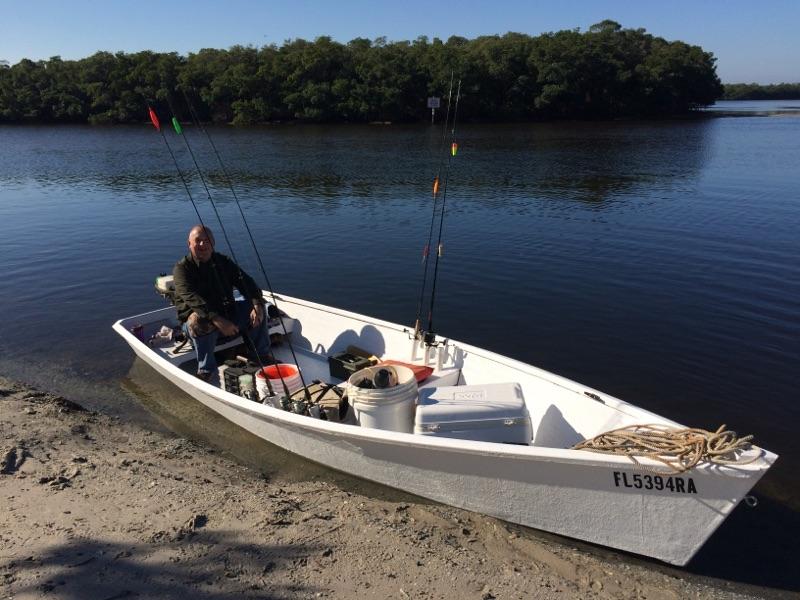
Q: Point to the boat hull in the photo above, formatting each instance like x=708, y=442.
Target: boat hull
x=596, y=498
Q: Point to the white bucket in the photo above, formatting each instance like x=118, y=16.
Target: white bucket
x=291, y=377
x=389, y=408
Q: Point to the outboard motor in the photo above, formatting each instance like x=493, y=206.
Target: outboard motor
x=165, y=287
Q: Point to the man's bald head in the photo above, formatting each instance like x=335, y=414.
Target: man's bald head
x=201, y=242
x=197, y=229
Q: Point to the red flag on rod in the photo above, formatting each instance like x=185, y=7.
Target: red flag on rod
x=154, y=118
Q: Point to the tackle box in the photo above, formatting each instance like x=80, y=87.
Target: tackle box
x=344, y=364
x=493, y=412
x=230, y=376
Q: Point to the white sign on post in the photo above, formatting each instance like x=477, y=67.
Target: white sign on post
x=433, y=103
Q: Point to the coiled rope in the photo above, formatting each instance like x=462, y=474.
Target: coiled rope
x=679, y=449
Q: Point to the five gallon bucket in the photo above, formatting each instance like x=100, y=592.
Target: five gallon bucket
x=290, y=375
x=389, y=408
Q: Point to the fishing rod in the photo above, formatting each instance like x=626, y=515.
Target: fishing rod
x=426, y=249
x=245, y=337
x=176, y=125
x=157, y=125
x=179, y=130
x=229, y=181
x=430, y=336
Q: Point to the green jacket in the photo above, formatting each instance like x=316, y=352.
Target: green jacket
x=207, y=288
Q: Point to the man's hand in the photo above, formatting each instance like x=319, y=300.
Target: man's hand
x=226, y=328
x=256, y=315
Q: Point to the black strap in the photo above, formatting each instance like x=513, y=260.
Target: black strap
x=177, y=348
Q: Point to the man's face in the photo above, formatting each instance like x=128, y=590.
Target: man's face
x=201, y=244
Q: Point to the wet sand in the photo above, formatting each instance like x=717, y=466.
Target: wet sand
x=95, y=507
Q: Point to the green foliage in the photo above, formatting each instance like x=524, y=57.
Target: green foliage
x=605, y=72
x=753, y=91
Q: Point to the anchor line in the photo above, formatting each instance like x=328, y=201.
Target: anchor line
x=426, y=249
x=430, y=336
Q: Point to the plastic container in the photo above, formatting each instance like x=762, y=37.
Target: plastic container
x=390, y=408
x=291, y=377
x=246, y=387
x=421, y=372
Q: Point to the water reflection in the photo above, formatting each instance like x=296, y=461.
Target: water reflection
x=316, y=164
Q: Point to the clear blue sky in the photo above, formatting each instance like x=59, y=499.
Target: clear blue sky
x=753, y=41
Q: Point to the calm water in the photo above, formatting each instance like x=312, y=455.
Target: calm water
x=761, y=107
x=658, y=262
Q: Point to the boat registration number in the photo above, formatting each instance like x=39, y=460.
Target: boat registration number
x=676, y=484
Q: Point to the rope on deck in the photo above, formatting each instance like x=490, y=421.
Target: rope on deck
x=679, y=449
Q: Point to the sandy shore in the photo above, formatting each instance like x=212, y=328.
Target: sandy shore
x=96, y=508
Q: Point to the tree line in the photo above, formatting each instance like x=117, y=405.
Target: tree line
x=604, y=72
x=754, y=91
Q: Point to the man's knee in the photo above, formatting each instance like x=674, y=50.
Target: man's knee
x=199, y=326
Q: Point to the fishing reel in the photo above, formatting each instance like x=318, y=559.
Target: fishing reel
x=427, y=337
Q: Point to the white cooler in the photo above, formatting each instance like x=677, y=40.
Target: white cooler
x=494, y=412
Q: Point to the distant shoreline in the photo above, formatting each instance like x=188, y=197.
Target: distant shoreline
x=755, y=91
x=699, y=114
x=606, y=71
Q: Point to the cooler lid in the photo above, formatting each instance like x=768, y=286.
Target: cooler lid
x=464, y=403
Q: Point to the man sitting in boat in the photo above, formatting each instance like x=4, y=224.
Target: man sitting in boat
x=204, y=282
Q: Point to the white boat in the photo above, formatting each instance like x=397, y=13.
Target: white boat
x=642, y=508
